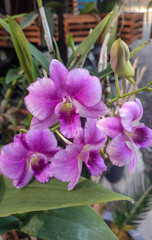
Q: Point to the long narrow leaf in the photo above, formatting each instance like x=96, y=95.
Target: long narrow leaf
x=84, y=48
x=21, y=48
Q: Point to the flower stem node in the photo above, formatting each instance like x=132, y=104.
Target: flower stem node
x=119, y=60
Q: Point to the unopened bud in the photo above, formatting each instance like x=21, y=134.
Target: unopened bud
x=119, y=59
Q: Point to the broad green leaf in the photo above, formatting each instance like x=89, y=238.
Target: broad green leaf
x=9, y=223
x=21, y=48
x=12, y=75
x=58, y=56
x=75, y=223
x=137, y=49
x=28, y=19
x=70, y=42
x=90, y=7
x=37, y=197
x=84, y=48
x=56, y=5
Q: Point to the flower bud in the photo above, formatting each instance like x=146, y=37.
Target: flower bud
x=119, y=59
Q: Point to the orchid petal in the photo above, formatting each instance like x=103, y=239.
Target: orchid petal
x=42, y=141
x=42, y=98
x=24, y=178
x=111, y=126
x=59, y=74
x=93, y=137
x=119, y=153
x=13, y=160
x=97, y=111
x=65, y=165
x=142, y=136
x=94, y=162
x=41, y=169
x=133, y=163
x=69, y=119
x=130, y=112
x=83, y=87
x=48, y=122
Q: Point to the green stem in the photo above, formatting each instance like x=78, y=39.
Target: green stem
x=62, y=137
x=128, y=94
x=117, y=85
x=39, y=2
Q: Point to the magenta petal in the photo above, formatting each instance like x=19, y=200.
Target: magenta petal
x=133, y=163
x=111, y=126
x=13, y=160
x=83, y=87
x=95, y=163
x=69, y=119
x=97, y=111
x=42, y=141
x=130, y=112
x=65, y=166
x=24, y=179
x=42, y=98
x=59, y=74
x=93, y=137
x=48, y=122
x=142, y=136
x=41, y=169
x=119, y=153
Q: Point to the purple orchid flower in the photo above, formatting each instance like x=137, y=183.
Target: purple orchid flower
x=67, y=163
x=127, y=134
x=64, y=96
x=28, y=155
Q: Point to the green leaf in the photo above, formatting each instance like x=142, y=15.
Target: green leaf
x=58, y=56
x=90, y=7
x=36, y=196
x=56, y=5
x=21, y=48
x=70, y=42
x=137, y=49
x=12, y=75
x=9, y=223
x=28, y=19
x=2, y=80
x=75, y=223
x=40, y=57
x=84, y=48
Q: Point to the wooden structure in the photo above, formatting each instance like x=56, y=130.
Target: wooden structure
x=129, y=26
x=33, y=32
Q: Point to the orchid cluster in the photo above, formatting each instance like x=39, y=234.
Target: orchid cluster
x=66, y=97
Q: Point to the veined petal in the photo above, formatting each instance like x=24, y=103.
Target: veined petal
x=142, y=136
x=119, y=153
x=133, y=163
x=69, y=118
x=48, y=122
x=40, y=168
x=111, y=126
x=42, y=98
x=94, y=162
x=24, y=179
x=93, y=137
x=97, y=111
x=42, y=141
x=59, y=74
x=65, y=165
x=13, y=160
x=83, y=87
x=130, y=113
